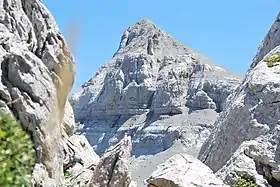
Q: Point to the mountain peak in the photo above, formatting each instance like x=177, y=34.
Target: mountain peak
x=144, y=23
x=145, y=37
x=137, y=37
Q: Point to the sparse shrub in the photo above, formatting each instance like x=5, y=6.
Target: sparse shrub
x=17, y=156
x=68, y=174
x=273, y=60
x=245, y=181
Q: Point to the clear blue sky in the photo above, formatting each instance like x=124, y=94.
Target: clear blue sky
x=228, y=32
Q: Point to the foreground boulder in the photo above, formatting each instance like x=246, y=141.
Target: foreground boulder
x=246, y=136
x=78, y=150
x=113, y=167
x=183, y=170
x=79, y=162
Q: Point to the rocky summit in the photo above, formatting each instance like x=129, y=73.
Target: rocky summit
x=158, y=114
x=156, y=90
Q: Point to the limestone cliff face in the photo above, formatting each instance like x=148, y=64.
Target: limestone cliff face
x=152, y=89
x=246, y=134
x=37, y=72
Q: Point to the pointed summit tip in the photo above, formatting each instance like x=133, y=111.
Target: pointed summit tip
x=139, y=34
x=143, y=23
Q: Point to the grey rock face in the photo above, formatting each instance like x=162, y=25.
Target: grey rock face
x=113, y=169
x=37, y=72
x=68, y=122
x=78, y=150
x=150, y=90
x=183, y=170
x=41, y=176
x=87, y=169
x=245, y=138
x=80, y=161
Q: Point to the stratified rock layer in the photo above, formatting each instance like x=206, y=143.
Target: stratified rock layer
x=150, y=89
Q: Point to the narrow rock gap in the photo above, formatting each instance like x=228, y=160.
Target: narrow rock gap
x=112, y=170
x=265, y=171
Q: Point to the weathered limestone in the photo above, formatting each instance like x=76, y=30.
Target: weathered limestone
x=37, y=72
x=183, y=170
x=246, y=134
x=112, y=169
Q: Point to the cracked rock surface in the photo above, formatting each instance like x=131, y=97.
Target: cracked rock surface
x=113, y=167
x=246, y=134
x=183, y=170
x=37, y=72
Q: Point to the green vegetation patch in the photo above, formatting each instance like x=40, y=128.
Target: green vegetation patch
x=17, y=156
x=68, y=174
x=245, y=181
x=273, y=60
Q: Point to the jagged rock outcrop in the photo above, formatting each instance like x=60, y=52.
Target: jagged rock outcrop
x=183, y=170
x=78, y=151
x=79, y=162
x=37, y=72
x=87, y=169
x=246, y=134
x=113, y=168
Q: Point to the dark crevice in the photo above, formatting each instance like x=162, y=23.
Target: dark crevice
x=73, y=159
x=29, y=40
x=127, y=41
x=207, y=155
x=23, y=7
x=265, y=171
x=275, y=102
x=112, y=170
x=116, y=121
x=150, y=101
x=149, y=47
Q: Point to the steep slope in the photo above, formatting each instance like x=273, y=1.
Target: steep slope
x=154, y=89
x=37, y=72
x=246, y=134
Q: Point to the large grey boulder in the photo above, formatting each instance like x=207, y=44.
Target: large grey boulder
x=183, y=170
x=37, y=72
x=78, y=151
x=246, y=134
x=79, y=162
x=113, y=167
x=85, y=168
